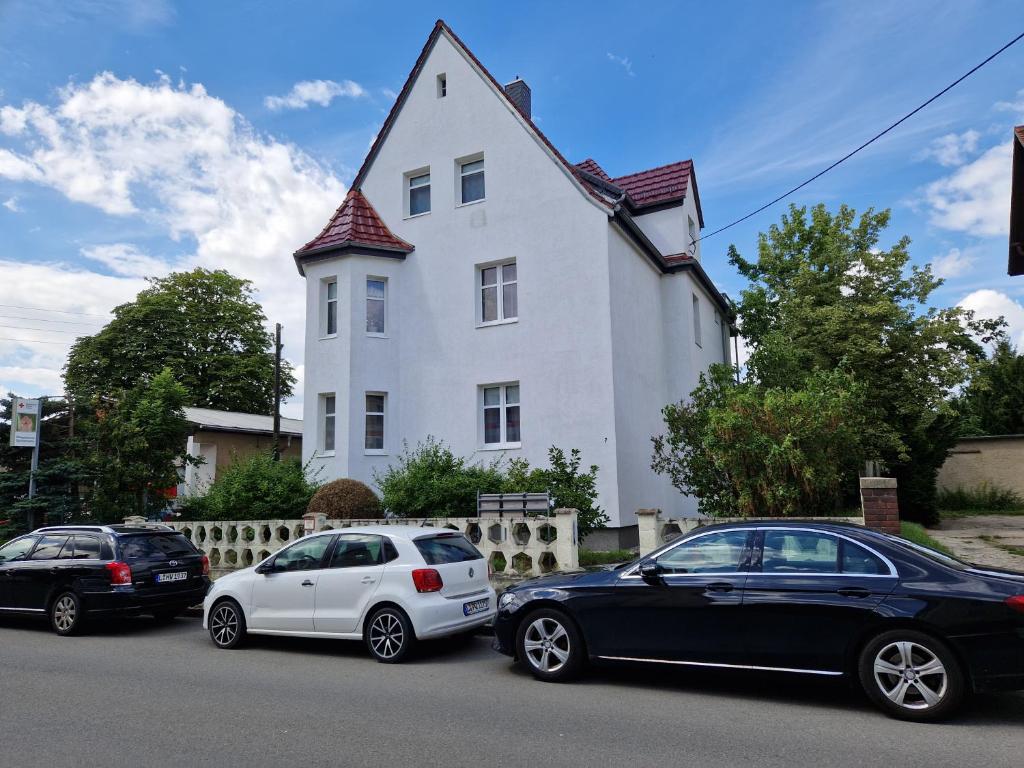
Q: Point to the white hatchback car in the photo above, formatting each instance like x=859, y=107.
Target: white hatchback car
x=388, y=585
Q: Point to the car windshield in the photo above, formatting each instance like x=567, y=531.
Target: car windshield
x=155, y=546
x=447, y=548
x=934, y=554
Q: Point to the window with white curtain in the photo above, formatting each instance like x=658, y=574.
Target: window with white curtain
x=501, y=424
x=499, y=293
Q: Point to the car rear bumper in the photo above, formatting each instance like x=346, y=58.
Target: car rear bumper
x=129, y=600
x=438, y=616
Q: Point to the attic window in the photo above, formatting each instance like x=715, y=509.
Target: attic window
x=442, y=86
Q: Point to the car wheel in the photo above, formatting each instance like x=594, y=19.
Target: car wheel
x=227, y=625
x=911, y=676
x=66, y=614
x=550, y=645
x=389, y=635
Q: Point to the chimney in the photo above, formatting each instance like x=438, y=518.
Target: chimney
x=519, y=93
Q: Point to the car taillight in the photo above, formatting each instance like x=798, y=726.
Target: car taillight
x=120, y=573
x=206, y=566
x=1016, y=603
x=427, y=580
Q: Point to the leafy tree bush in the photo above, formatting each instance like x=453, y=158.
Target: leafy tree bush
x=346, y=499
x=570, y=488
x=980, y=497
x=254, y=488
x=431, y=481
x=773, y=452
x=993, y=403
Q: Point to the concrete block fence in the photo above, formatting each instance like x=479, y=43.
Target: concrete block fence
x=515, y=546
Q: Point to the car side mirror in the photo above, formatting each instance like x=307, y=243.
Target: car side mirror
x=267, y=567
x=651, y=572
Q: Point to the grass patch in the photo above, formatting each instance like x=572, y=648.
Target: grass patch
x=949, y=514
x=996, y=542
x=917, y=534
x=606, y=558
x=991, y=498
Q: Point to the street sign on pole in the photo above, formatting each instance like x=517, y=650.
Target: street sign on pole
x=25, y=422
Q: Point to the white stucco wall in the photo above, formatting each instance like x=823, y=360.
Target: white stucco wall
x=435, y=357
x=668, y=228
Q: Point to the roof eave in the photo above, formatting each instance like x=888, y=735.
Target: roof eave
x=346, y=248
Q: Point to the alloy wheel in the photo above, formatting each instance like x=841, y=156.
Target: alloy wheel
x=386, y=635
x=224, y=625
x=910, y=675
x=65, y=612
x=546, y=644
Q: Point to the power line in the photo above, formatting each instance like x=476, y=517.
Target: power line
x=61, y=311
x=47, y=320
x=31, y=341
x=867, y=143
x=44, y=330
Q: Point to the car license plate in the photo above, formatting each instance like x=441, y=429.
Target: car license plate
x=163, y=578
x=477, y=606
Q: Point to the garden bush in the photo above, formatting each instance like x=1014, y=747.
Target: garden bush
x=254, y=488
x=346, y=499
x=980, y=497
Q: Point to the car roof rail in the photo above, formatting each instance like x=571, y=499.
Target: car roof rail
x=140, y=526
x=58, y=528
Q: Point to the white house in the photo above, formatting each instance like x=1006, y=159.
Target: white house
x=476, y=286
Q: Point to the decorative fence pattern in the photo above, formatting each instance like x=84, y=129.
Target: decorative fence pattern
x=656, y=530
x=514, y=545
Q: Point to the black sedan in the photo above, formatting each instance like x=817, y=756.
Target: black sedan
x=917, y=629
x=75, y=572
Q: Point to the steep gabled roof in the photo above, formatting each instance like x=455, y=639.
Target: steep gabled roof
x=355, y=225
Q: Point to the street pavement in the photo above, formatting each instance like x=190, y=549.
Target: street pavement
x=136, y=693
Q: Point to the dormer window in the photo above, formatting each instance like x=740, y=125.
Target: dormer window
x=442, y=86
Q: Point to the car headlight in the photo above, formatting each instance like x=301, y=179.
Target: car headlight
x=507, y=600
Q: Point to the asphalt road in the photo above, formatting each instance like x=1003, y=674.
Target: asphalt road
x=140, y=694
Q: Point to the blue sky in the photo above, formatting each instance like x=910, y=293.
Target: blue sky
x=140, y=137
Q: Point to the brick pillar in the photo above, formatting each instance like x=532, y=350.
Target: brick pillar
x=878, y=502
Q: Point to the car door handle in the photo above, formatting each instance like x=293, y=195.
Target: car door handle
x=719, y=586
x=853, y=592
x=307, y=583
x=369, y=579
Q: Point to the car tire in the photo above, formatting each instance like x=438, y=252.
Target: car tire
x=389, y=635
x=67, y=616
x=912, y=676
x=550, y=645
x=227, y=625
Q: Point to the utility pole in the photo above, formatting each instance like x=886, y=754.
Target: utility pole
x=277, y=392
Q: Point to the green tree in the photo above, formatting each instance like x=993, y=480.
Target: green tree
x=824, y=294
x=743, y=449
x=254, y=488
x=993, y=403
x=569, y=487
x=129, y=453
x=204, y=325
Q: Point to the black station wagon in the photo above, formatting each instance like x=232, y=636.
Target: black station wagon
x=76, y=572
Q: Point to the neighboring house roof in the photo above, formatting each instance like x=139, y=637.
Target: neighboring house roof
x=1016, y=261
x=234, y=421
x=355, y=225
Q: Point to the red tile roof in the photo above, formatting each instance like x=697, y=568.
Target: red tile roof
x=590, y=166
x=356, y=223
x=657, y=185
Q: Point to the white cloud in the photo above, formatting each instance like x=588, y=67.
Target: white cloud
x=975, y=198
x=953, y=148
x=11, y=204
x=990, y=304
x=1016, y=107
x=953, y=263
x=624, y=62
x=185, y=163
x=125, y=259
x=321, y=92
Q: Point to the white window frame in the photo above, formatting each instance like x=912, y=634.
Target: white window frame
x=382, y=334
x=328, y=422
x=696, y=321
x=326, y=304
x=407, y=180
x=460, y=164
x=442, y=85
x=503, y=406
x=500, y=289
x=383, y=413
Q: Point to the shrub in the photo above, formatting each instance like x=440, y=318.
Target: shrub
x=254, y=488
x=610, y=557
x=346, y=499
x=570, y=488
x=431, y=481
x=983, y=496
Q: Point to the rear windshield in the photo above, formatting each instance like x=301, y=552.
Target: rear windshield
x=149, y=546
x=934, y=554
x=447, y=548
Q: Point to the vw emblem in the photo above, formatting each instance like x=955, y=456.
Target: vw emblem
x=471, y=573
x=175, y=562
